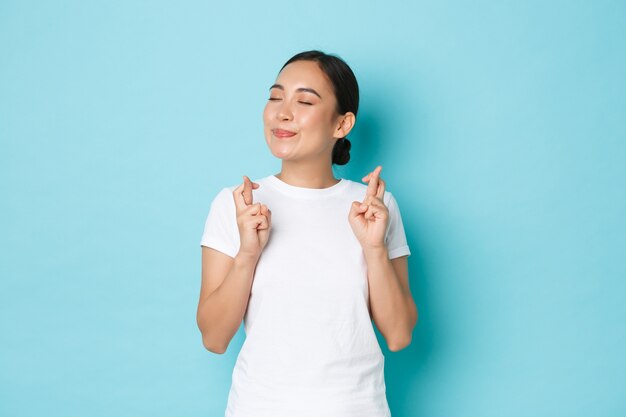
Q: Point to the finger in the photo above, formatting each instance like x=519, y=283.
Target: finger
x=254, y=222
x=372, y=186
x=368, y=213
x=265, y=211
x=357, y=208
x=247, y=190
x=250, y=218
x=371, y=212
x=253, y=209
x=262, y=223
x=381, y=188
x=238, y=197
x=372, y=200
x=238, y=194
x=269, y=218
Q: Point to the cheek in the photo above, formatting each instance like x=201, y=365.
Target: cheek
x=312, y=119
x=266, y=114
x=319, y=121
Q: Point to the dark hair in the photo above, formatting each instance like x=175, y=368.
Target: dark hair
x=346, y=91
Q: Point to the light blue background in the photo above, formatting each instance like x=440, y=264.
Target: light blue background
x=501, y=130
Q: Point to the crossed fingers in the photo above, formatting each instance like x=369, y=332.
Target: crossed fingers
x=376, y=185
x=243, y=193
x=244, y=199
x=374, y=194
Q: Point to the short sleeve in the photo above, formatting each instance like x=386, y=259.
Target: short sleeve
x=395, y=237
x=220, y=228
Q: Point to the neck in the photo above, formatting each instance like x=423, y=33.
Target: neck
x=307, y=174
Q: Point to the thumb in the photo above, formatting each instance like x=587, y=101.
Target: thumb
x=355, y=209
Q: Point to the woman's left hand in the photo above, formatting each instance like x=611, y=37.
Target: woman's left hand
x=369, y=218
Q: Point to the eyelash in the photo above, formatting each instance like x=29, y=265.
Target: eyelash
x=299, y=101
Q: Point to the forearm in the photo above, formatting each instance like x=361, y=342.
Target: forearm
x=393, y=310
x=221, y=312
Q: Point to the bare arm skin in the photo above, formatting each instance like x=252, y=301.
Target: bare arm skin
x=391, y=303
x=226, y=281
x=224, y=294
x=393, y=309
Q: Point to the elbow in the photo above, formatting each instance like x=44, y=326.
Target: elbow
x=210, y=343
x=403, y=340
x=213, y=347
x=397, y=345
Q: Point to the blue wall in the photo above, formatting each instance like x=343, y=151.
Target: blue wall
x=501, y=130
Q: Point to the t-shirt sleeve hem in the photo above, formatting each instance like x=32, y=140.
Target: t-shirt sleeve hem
x=397, y=252
x=219, y=247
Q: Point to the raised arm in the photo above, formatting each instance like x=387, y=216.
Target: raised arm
x=391, y=303
x=227, y=281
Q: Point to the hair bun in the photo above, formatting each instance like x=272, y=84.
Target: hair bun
x=341, y=151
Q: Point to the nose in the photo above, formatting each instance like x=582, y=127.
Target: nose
x=284, y=112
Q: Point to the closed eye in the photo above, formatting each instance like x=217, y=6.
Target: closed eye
x=305, y=102
x=274, y=98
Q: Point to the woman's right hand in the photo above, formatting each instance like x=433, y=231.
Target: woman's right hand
x=254, y=220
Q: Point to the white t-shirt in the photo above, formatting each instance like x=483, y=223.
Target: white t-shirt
x=310, y=347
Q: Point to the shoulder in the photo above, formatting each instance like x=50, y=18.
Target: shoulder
x=223, y=201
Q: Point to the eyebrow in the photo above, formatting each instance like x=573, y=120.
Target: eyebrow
x=302, y=89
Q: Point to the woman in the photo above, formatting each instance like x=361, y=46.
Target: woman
x=307, y=261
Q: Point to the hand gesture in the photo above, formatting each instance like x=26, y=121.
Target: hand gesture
x=369, y=219
x=254, y=220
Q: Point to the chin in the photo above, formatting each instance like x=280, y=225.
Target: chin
x=279, y=150
x=280, y=155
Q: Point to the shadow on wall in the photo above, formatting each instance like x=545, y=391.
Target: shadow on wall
x=385, y=114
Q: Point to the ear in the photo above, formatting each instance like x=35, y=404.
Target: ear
x=344, y=125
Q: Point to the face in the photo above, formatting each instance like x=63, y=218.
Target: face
x=300, y=118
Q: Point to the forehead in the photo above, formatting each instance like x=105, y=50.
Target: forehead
x=304, y=74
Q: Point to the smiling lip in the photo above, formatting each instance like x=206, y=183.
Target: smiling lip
x=283, y=133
